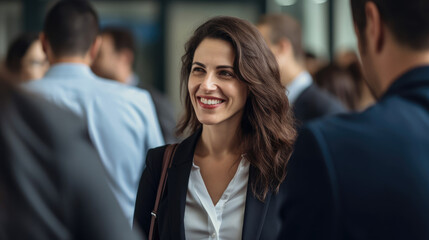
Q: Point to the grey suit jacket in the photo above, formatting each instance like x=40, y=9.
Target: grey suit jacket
x=52, y=184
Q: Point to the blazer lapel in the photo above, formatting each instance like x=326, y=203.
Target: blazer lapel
x=255, y=212
x=177, y=185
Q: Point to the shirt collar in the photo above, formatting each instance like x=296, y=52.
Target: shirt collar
x=298, y=85
x=73, y=70
x=132, y=80
x=412, y=79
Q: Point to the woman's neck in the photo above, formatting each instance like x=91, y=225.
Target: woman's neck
x=219, y=141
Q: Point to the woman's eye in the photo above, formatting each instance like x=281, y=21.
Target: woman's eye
x=197, y=69
x=226, y=74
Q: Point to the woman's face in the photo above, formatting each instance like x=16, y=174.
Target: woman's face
x=217, y=96
x=34, y=63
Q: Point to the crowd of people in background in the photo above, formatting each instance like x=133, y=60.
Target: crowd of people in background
x=272, y=142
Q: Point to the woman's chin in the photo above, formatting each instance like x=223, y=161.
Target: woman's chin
x=208, y=121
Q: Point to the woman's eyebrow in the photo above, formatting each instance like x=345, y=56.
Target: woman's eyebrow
x=199, y=64
x=224, y=66
x=217, y=67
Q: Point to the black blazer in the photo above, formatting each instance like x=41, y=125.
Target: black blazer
x=261, y=219
x=364, y=175
x=314, y=103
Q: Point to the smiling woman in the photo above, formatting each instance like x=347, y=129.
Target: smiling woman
x=225, y=179
x=217, y=96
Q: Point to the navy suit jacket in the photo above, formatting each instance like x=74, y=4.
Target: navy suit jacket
x=364, y=175
x=314, y=103
x=261, y=219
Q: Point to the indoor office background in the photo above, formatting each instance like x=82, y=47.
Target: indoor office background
x=162, y=27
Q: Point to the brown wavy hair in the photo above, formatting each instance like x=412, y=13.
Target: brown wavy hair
x=267, y=125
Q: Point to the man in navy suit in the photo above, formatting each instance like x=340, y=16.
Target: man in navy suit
x=283, y=35
x=366, y=175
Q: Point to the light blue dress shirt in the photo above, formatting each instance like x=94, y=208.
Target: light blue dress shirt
x=121, y=120
x=298, y=85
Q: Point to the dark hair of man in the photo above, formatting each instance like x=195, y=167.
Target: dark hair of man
x=71, y=27
x=17, y=50
x=284, y=26
x=122, y=38
x=408, y=20
x=267, y=127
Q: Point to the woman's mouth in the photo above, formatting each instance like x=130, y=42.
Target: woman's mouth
x=209, y=102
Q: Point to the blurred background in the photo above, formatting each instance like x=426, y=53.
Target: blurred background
x=162, y=27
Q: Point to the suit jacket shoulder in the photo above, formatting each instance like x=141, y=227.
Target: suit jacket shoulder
x=364, y=170
x=315, y=103
x=52, y=182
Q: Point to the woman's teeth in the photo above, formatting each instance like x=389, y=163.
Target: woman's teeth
x=210, y=101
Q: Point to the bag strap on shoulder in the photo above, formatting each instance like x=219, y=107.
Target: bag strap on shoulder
x=166, y=164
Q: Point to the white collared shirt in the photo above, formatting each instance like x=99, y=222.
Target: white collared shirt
x=224, y=221
x=298, y=85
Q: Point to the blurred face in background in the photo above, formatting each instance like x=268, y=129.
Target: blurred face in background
x=34, y=63
x=107, y=61
x=265, y=31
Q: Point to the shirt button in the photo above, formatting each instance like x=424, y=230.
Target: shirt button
x=213, y=235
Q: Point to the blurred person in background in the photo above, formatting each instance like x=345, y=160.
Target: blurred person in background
x=313, y=63
x=349, y=60
x=283, y=35
x=225, y=177
x=339, y=83
x=25, y=59
x=52, y=185
x=364, y=176
x=115, y=61
x=121, y=120
x=344, y=58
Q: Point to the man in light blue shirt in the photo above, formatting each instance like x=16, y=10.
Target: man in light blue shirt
x=121, y=120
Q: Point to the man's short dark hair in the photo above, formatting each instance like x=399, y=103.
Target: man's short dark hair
x=71, y=27
x=284, y=26
x=408, y=20
x=122, y=38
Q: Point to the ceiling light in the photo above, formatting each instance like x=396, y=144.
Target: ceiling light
x=286, y=2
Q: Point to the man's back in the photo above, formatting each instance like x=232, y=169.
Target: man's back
x=365, y=176
x=52, y=185
x=121, y=120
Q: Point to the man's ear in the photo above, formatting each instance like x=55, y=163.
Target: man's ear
x=95, y=47
x=44, y=42
x=285, y=46
x=127, y=56
x=46, y=46
x=375, y=30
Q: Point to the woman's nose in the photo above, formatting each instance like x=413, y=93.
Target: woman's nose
x=209, y=83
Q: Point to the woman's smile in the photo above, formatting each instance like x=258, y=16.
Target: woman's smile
x=210, y=102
